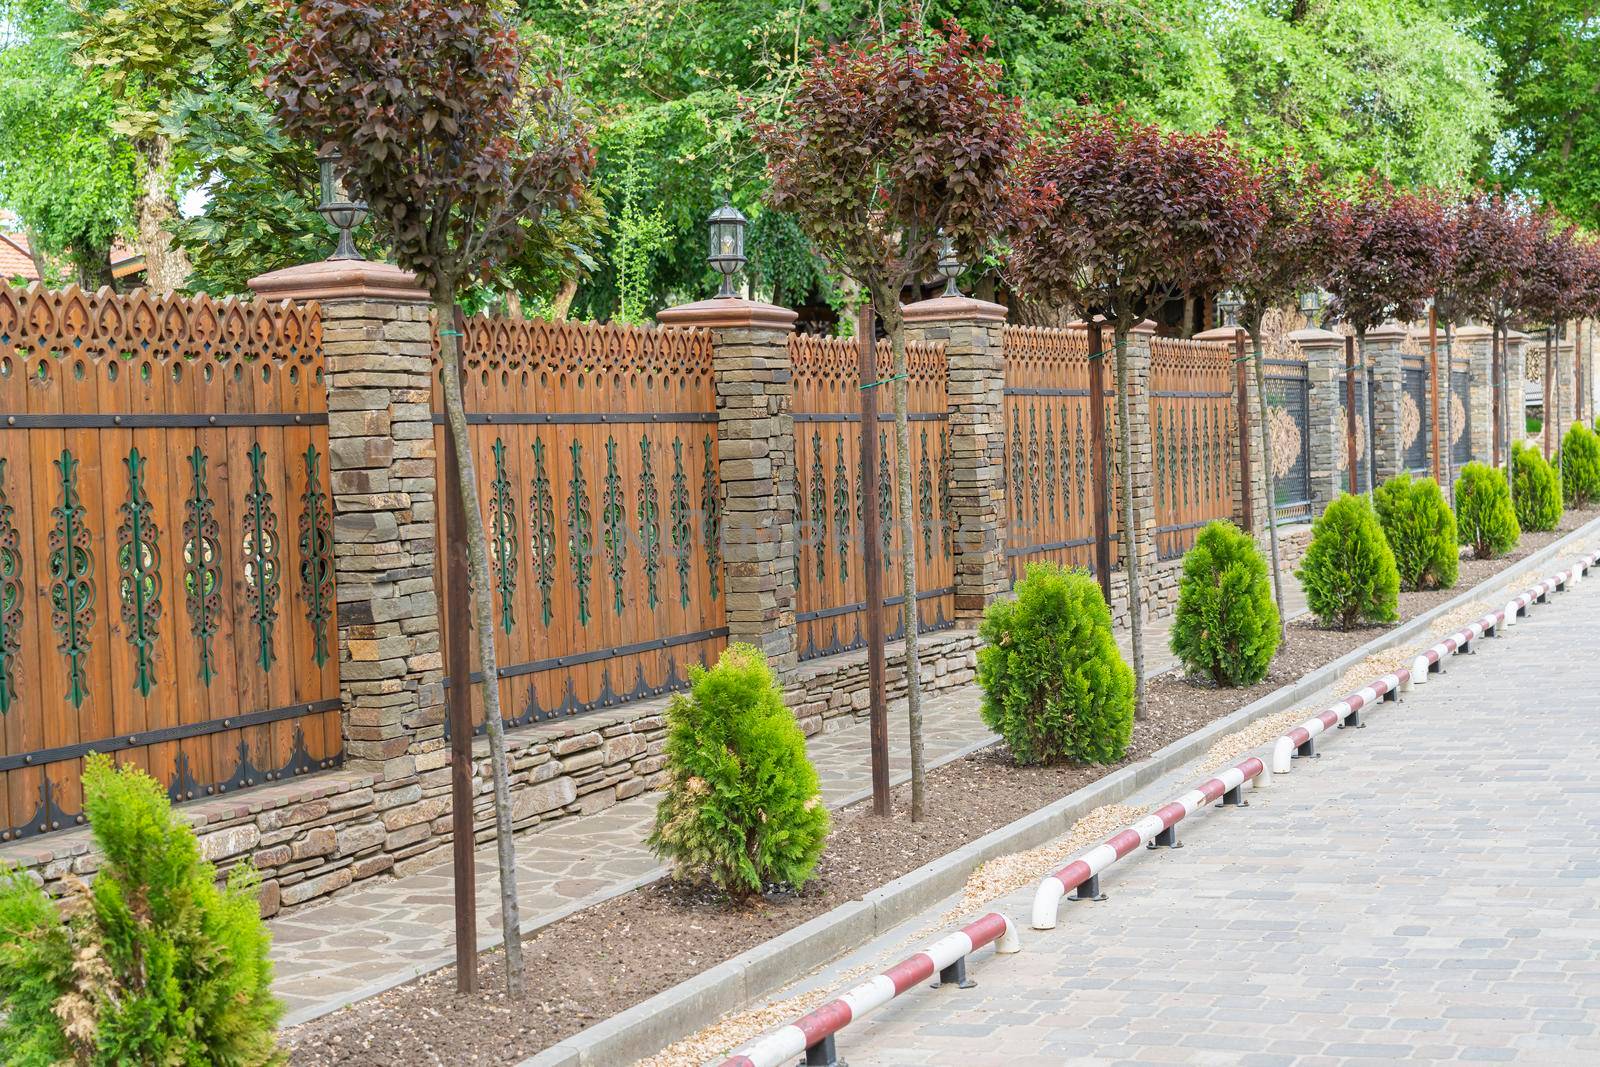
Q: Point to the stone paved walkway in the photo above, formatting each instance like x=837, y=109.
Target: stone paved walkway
x=389, y=930
x=1428, y=890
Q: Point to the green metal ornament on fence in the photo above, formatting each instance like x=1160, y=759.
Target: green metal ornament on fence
x=261, y=557
x=202, y=566
x=139, y=563
x=316, y=556
x=72, y=591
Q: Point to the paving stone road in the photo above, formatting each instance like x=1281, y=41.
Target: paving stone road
x=1427, y=890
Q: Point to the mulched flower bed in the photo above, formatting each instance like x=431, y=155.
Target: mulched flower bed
x=610, y=957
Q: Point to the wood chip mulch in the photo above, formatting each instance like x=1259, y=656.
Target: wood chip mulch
x=610, y=957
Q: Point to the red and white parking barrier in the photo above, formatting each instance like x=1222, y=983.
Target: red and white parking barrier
x=813, y=1034
x=1158, y=829
x=1301, y=741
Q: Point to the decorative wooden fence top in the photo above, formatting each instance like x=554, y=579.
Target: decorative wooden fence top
x=827, y=412
x=165, y=546
x=596, y=452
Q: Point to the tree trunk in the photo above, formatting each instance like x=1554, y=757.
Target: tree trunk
x=483, y=613
x=1367, y=382
x=93, y=267
x=562, y=304
x=1449, y=412
x=1130, y=540
x=1551, y=400
x=889, y=310
x=166, y=267
x=1269, y=477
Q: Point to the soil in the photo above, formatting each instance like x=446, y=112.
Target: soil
x=610, y=957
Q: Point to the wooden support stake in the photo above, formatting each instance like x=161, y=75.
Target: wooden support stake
x=458, y=666
x=1350, y=410
x=872, y=560
x=1102, y=470
x=1244, y=436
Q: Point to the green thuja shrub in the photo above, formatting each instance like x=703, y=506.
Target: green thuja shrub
x=1227, y=623
x=743, y=806
x=1421, y=531
x=153, y=963
x=1054, y=683
x=1348, y=573
x=1484, y=518
x=1537, y=494
x=1580, y=466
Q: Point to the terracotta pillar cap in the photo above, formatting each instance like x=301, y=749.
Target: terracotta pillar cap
x=728, y=312
x=951, y=308
x=340, y=279
x=1315, y=335
x=1220, y=333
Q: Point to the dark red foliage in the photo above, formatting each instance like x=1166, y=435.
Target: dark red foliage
x=1390, y=253
x=1493, y=241
x=1112, y=216
x=444, y=138
x=1553, y=288
x=884, y=146
x=1301, y=217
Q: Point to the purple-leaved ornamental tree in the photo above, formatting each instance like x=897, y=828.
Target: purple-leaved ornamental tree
x=1114, y=217
x=1390, y=252
x=882, y=150
x=1552, y=292
x=1494, y=252
x=456, y=147
x=1294, y=241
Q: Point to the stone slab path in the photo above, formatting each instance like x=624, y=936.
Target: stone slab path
x=389, y=930
x=1428, y=890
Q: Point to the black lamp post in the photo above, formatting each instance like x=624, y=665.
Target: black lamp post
x=726, y=227
x=1229, y=305
x=949, y=265
x=336, y=206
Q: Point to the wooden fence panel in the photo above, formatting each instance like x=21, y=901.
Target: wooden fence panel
x=831, y=591
x=596, y=463
x=1050, y=480
x=1193, y=425
x=166, y=555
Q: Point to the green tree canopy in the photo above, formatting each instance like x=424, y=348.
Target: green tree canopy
x=1549, y=74
x=62, y=170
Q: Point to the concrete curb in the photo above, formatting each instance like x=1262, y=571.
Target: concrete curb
x=651, y=1025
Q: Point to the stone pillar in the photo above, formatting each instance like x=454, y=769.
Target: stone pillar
x=755, y=466
x=1475, y=344
x=1519, y=349
x=972, y=334
x=1141, y=446
x=1325, y=420
x=1565, y=381
x=377, y=356
x=1384, y=357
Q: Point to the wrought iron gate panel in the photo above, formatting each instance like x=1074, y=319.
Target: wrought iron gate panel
x=1460, y=421
x=1416, y=435
x=1289, y=430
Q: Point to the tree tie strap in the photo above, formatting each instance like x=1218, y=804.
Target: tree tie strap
x=886, y=381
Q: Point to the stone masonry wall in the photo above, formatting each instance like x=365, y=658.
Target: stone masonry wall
x=313, y=837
